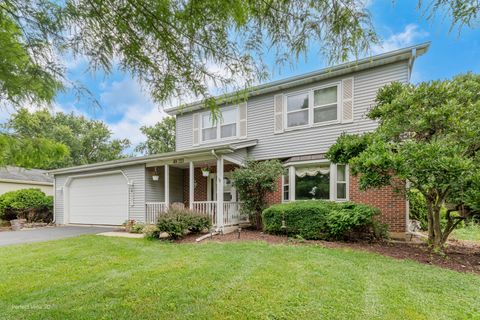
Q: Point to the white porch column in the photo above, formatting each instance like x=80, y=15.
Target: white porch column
x=191, y=185
x=220, y=193
x=167, y=185
x=291, y=183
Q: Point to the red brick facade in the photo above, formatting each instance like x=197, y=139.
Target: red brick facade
x=200, y=193
x=276, y=197
x=392, y=205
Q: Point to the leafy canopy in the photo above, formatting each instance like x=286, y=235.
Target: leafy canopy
x=87, y=141
x=160, y=137
x=428, y=135
x=178, y=47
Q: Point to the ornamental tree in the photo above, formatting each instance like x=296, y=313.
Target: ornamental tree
x=429, y=137
x=253, y=182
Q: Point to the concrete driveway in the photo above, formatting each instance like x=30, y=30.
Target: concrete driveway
x=48, y=233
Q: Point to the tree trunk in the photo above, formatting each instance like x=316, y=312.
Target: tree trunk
x=258, y=221
x=435, y=237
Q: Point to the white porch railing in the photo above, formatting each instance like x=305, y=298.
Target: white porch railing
x=231, y=212
x=153, y=209
x=208, y=208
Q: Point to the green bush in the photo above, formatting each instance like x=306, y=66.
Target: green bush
x=150, y=231
x=321, y=219
x=30, y=204
x=177, y=222
x=418, y=208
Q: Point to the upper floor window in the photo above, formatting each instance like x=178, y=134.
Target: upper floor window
x=312, y=107
x=225, y=127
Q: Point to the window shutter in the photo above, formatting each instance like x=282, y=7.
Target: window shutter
x=196, y=129
x=347, y=100
x=278, y=113
x=242, y=116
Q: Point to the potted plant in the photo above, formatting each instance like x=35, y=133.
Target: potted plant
x=205, y=172
x=155, y=175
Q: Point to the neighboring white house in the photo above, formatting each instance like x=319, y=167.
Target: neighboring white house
x=294, y=120
x=15, y=178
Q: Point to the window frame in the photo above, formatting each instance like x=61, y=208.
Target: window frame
x=333, y=180
x=218, y=126
x=311, y=107
x=346, y=182
x=283, y=187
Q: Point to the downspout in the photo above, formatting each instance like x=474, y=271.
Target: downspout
x=54, y=199
x=411, y=61
x=214, y=154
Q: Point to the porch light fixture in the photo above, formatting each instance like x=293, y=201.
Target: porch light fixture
x=155, y=175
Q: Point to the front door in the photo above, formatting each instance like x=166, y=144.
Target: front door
x=229, y=191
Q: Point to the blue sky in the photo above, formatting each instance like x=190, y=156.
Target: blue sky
x=126, y=107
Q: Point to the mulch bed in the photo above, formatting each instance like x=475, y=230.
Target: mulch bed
x=460, y=256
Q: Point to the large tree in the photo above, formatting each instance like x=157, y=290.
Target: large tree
x=160, y=137
x=88, y=141
x=428, y=139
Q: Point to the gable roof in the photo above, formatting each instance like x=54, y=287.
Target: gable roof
x=18, y=174
x=409, y=53
x=207, y=150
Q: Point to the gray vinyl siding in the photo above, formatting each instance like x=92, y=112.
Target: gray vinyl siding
x=155, y=190
x=176, y=185
x=135, y=174
x=239, y=155
x=312, y=140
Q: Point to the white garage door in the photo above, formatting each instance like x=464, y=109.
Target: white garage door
x=98, y=200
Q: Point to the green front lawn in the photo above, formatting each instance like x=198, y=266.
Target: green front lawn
x=470, y=232
x=115, y=278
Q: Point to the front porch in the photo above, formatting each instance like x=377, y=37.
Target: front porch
x=188, y=184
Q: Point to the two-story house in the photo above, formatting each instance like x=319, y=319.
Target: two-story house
x=294, y=120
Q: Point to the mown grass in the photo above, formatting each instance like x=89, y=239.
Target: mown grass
x=112, y=278
x=470, y=232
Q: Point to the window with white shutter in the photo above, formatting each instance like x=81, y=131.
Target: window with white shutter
x=278, y=113
x=242, y=120
x=347, y=100
x=196, y=131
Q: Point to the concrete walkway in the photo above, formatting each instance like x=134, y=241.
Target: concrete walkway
x=48, y=233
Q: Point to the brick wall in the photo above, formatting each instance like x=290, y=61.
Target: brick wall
x=200, y=193
x=275, y=197
x=391, y=204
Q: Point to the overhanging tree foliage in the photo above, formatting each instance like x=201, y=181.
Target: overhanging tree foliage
x=428, y=135
x=160, y=137
x=253, y=182
x=179, y=47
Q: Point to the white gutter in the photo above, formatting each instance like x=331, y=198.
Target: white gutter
x=40, y=183
x=326, y=73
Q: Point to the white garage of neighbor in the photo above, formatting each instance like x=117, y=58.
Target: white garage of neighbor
x=97, y=199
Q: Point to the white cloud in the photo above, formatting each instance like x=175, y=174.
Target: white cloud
x=127, y=101
x=407, y=37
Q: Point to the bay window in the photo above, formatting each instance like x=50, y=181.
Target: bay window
x=312, y=107
x=321, y=181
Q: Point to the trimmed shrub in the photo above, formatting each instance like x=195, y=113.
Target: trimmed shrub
x=30, y=204
x=321, y=219
x=177, y=222
x=150, y=231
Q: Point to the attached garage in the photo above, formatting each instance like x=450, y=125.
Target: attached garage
x=98, y=199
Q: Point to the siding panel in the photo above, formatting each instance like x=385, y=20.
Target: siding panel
x=311, y=140
x=136, y=174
